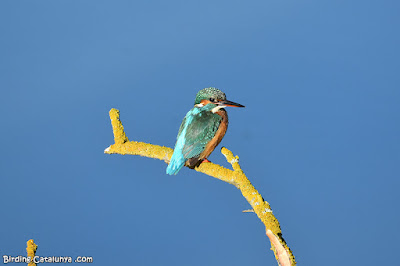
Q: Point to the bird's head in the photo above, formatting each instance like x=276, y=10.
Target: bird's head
x=213, y=96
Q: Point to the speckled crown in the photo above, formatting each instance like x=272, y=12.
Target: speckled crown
x=208, y=93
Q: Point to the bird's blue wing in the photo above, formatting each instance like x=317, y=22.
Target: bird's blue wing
x=178, y=160
x=199, y=133
x=197, y=129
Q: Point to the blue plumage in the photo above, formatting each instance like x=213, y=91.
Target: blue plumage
x=201, y=130
x=197, y=129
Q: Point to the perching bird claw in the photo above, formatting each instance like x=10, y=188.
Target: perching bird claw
x=206, y=161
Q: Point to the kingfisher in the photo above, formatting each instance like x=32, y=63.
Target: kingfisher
x=201, y=130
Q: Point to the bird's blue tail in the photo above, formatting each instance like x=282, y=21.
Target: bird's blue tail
x=176, y=163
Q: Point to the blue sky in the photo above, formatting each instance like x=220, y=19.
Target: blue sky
x=319, y=137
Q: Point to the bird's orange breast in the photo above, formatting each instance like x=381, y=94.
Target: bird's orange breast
x=218, y=135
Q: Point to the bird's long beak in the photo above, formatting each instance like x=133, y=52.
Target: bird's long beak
x=231, y=104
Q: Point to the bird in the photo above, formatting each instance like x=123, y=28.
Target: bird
x=202, y=129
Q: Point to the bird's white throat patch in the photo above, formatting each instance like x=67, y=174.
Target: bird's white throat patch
x=216, y=109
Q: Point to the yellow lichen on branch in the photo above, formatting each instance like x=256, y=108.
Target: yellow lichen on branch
x=118, y=129
x=122, y=145
x=31, y=248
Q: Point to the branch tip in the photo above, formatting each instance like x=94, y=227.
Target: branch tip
x=282, y=254
x=118, y=130
x=31, y=248
x=230, y=158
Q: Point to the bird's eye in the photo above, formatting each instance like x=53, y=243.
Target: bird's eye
x=212, y=100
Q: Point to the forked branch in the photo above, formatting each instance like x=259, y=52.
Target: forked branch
x=283, y=254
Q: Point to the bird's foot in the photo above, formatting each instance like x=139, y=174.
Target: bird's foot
x=206, y=161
